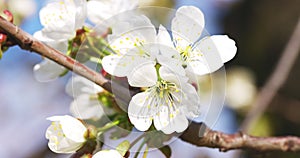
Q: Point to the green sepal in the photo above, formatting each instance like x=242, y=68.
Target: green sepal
x=166, y=150
x=123, y=147
x=156, y=139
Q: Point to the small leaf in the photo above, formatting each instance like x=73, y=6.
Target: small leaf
x=157, y=138
x=117, y=134
x=123, y=147
x=166, y=150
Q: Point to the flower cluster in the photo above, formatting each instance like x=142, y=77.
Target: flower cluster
x=60, y=20
x=161, y=64
x=163, y=67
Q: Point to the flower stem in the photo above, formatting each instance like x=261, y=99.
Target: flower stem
x=108, y=126
x=90, y=43
x=95, y=60
x=137, y=140
x=140, y=148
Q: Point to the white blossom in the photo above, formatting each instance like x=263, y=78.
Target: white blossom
x=101, y=10
x=131, y=40
x=85, y=93
x=65, y=134
x=158, y=65
x=167, y=101
x=60, y=20
x=197, y=56
x=107, y=154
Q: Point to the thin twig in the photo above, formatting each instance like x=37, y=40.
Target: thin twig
x=225, y=142
x=276, y=80
x=207, y=138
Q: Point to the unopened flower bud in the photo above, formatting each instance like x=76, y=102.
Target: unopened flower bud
x=3, y=38
x=8, y=16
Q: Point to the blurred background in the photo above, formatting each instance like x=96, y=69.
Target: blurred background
x=261, y=28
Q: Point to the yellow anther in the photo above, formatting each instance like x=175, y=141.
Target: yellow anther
x=171, y=115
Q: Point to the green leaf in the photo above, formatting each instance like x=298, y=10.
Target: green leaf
x=117, y=134
x=157, y=138
x=166, y=150
x=123, y=147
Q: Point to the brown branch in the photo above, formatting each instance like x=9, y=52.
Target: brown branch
x=224, y=142
x=27, y=42
x=276, y=80
x=208, y=138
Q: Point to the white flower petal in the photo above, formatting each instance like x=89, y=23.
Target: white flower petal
x=114, y=65
x=47, y=71
x=132, y=33
x=141, y=123
x=225, y=46
x=65, y=134
x=217, y=49
x=162, y=119
x=84, y=107
x=73, y=128
x=61, y=18
x=80, y=7
x=133, y=21
x=200, y=67
x=179, y=124
x=65, y=146
x=168, y=75
x=169, y=122
x=56, y=17
x=187, y=24
x=99, y=11
x=60, y=43
x=107, y=154
x=190, y=104
x=78, y=85
x=121, y=66
x=172, y=64
x=164, y=38
x=143, y=75
x=140, y=114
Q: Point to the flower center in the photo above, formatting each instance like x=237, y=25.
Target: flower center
x=163, y=94
x=185, y=53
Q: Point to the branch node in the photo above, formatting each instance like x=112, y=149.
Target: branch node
x=202, y=130
x=288, y=145
x=27, y=43
x=17, y=30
